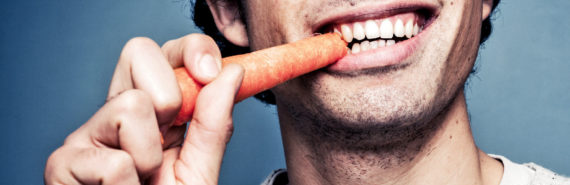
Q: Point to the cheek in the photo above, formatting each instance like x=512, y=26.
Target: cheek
x=276, y=22
x=458, y=37
x=464, y=51
x=265, y=23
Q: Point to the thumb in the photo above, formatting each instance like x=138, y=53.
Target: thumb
x=210, y=130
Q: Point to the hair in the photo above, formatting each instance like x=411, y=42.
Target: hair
x=203, y=19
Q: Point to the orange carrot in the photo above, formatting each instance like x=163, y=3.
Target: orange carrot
x=267, y=68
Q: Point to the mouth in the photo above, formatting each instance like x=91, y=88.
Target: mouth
x=379, y=37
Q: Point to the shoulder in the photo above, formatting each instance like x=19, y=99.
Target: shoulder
x=545, y=176
x=528, y=174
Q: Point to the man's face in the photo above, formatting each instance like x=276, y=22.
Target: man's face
x=404, y=83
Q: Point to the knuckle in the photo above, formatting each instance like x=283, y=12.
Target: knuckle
x=169, y=43
x=168, y=103
x=198, y=38
x=228, y=126
x=89, y=166
x=55, y=169
x=140, y=42
x=229, y=129
x=119, y=164
x=72, y=138
x=151, y=163
x=134, y=103
x=119, y=161
x=221, y=129
x=53, y=163
x=137, y=44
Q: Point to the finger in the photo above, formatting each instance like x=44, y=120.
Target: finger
x=210, y=129
x=198, y=52
x=174, y=136
x=165, y=174
x=142, y=65
x=69, y=165
x=127, y=122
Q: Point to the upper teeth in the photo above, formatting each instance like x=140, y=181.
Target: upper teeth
x=372, y=30
x=358, y=31
x=386, y=29
x=399, y=28
x=410, y=29
x=383, y=29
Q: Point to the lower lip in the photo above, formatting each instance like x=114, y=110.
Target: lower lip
x=378, y=58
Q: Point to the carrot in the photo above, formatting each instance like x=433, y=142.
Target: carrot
x=267, y=68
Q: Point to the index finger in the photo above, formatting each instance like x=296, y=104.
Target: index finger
x=198, y=53
x=142, y=65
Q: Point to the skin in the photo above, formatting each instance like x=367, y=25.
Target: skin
x=121, y=143
x=386, y=127
x=389, y=122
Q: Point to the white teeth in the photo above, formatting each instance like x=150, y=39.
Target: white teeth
x=372, y=31
x=386, y=29
x=381, y=43
x=374, y=44
x=355, y=48
x=358, y=31
x=364, y=45
x=399, y=28
x=410, y=28
x=416, y=29
x=346, y=33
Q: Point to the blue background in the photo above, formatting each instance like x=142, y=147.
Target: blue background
x=57, y=59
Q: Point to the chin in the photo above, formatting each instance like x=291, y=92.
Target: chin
x=371, y=116
x=393, y=82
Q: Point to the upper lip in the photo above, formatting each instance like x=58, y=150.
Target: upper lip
x=378, y=10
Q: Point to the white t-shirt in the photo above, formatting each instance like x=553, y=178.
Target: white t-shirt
x=528, y=174
x=513, y=174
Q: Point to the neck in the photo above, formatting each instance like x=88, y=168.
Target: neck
x=444, y=153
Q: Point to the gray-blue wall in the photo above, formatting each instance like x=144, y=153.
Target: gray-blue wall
x=57, y=58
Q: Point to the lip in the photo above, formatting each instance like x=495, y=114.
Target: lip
x=384, y=56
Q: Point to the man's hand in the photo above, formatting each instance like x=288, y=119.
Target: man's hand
x=121, y=143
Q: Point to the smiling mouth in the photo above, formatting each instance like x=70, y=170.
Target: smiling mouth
x=379, y=40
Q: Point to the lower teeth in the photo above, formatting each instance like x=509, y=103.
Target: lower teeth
x=372, y=44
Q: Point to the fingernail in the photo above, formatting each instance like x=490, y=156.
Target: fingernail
x=209, y=66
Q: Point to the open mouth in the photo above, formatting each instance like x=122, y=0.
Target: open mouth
x=380, y=39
